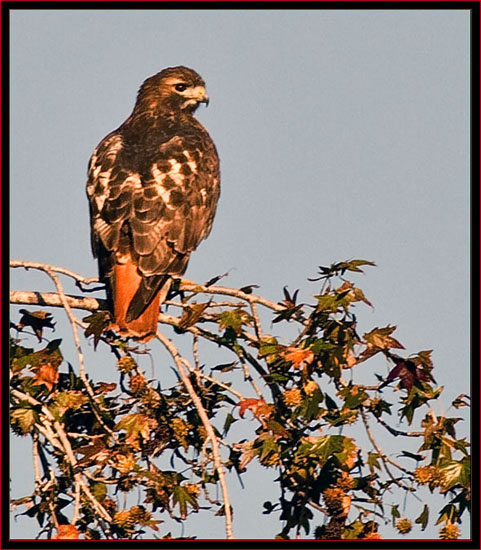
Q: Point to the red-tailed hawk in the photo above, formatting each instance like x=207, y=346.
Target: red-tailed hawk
x=153, y=187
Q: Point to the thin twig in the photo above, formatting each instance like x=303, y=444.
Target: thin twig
x=55, y=269
x=248, y=377
x=383, y=457
x=396, y=432
x=54, y=432
x=207, y=425
x=200, y=374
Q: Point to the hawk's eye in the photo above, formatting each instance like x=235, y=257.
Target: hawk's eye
x=181, y=87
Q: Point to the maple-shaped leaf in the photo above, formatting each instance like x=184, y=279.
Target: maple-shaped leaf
x=407, y=371
x=291, y=308
x=46, y=375
x=456, y=472
x=67, y=531
x=247, y=453
x=51, y=354
x=67, y=400
x=182, y=497
x=137, y=427
x=277, y=429
x=260, y=409
x=98, y=322
x=298, y=356
x=37, y=320
x=96, y=452
x=191, y=314
x=341, y=267
x=360, y=297
x=289, y=300
x=381, y=338
x=23, y=419
x=234, y=319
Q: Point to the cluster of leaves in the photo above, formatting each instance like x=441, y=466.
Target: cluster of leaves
x=302, y=418
x=113, y=440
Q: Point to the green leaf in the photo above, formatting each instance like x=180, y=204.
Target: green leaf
x=341, y=267
x=330, y=403
x=228, y=423
x=446, y=514
x=354, y=396
x=51, y=354
x=137, y=426
x=277, y=428
x=269, y=446
x=353, y=531
x=381, y=338
x=395, y=514
x=23, y=419
x=456, y=473
x=68, y=400
x=329, y=445
x=423, y=518
x=192, y=313
x=182, y=497
x=327, y=303
x=99, y=490
x=234, y=319
x=310, y=406
x=373, y=460
x=97, y=323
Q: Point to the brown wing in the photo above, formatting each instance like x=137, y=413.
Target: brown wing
x=152, y=209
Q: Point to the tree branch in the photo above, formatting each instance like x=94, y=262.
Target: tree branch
x=207, y=425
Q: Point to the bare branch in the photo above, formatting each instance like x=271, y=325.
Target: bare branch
x=207, y=425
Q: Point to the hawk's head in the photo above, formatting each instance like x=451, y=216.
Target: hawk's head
x=172, y=90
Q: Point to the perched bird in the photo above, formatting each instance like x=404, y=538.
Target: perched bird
x=153, y=186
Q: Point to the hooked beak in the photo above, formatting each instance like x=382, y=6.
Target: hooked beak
x=200, y=95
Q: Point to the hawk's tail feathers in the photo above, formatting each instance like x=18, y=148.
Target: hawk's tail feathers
x=137, y=301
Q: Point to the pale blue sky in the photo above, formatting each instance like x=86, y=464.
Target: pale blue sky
x=342, y=134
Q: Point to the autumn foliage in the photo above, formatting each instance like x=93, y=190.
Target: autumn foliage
x=304, y=398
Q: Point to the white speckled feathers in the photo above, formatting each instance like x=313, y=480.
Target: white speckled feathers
x=153, y=187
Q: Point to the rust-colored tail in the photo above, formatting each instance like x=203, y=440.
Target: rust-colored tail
x=126, y=283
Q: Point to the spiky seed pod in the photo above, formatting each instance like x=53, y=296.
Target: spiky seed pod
x=337, y=502
x=293, y=397
x=180, y=428
x=424, y=474
x=122, y=519
x=404, y=526
x=449, y=532
x=310, y=387
x=137, y=384
x=345, y=482
x=126, y=364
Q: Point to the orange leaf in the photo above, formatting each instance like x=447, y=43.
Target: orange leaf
x=105, y=387
x=258, y=407
x=45, y=374
x=67, y=531
x=297, y=356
